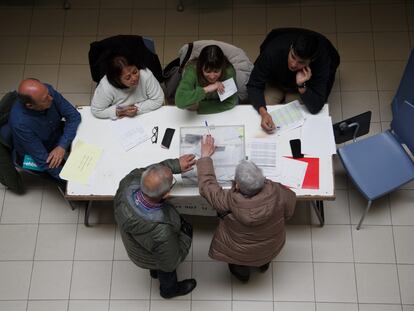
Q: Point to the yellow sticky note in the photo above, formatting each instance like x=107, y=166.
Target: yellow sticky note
x=81, y=162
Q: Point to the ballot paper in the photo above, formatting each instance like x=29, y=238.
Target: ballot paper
x=263, y=152
x=81, y=162
x=291, y=172
x=130, y=132
x=317, y=136
x=230, y=88
x=288, y=116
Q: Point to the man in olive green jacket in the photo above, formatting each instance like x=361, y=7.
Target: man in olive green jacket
x=153, y=233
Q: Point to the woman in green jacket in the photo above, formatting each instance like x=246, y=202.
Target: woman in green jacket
x=202, y=81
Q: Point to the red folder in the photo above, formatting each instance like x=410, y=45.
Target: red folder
x=311, y=180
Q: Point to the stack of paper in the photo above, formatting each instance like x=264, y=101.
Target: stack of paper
x=130, y=132
x=317, y=136
x=288, y=116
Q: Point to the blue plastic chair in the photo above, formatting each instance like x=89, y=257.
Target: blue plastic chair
x=379, y=164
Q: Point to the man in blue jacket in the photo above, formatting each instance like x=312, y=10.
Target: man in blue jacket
x=37, y=126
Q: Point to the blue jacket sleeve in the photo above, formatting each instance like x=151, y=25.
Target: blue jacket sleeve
x=71, y=115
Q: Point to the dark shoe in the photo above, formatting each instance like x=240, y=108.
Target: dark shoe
x=242, y=273
x=183, y=288
x=264, y=268
x=154, y=274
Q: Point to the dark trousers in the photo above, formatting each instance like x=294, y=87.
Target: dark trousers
x=168, y=281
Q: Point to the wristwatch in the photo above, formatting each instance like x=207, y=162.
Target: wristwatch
x=301, y=86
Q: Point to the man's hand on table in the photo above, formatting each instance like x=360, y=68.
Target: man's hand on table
x=267, y=122
x=187, y=162
x=55, y=157
x=207, y=146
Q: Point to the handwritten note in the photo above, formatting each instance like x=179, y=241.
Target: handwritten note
x=81, y=162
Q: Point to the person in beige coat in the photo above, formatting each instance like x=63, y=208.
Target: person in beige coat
x=253, y=212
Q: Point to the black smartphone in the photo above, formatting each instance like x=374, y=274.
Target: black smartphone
x=296, y=148
x=166, y=140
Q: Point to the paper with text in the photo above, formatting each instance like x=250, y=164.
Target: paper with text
x=130, y=132
x=288, y=116
x=263, y=152
x=317, y=136
x=230, y=88
x=81, y=162
x=291, y=172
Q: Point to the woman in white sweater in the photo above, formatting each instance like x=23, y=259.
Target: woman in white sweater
x=126, y=91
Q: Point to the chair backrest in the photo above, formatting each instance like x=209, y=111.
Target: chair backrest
x=403, y=107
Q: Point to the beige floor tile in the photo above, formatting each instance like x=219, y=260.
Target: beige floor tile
x=145, y=4
x=412, y=39
x=96, y=244
x=223, y=38
x=341, y=177
x=203, y=234
x=259, y=287
x=119, y=4
x=45, y=73
x=293, y=281
x=47, y=305
x=410, y=14
x=379, y=307
x=332, y=243
x=373, y=244
x=182, y=23
x=250, y=44
x=401, y=207
x=353, y=18
x=74, y=79
x=389, y=74
x=22, y=235
x=81, y=22
x=398, y=50
x=20, y=19
x=355, y=46
x=17, y=274
x=215, y=4
x=190, y=5
x=15, y=53
x=298, y=246
x=356, y=102
x=283, y=17
x=22, y=209
x=336, y=212
x=252, y=305
x=406, y=275
x=148, y=22
x=294, y=306
x=358, y=76
x=249, y=3
x=256, y=24
x=213, y=281
x=389, y=17
x=173, y=44
x=386, y=283
x=44, y=50
x=76, y=4
x=14, y=305
x=317, y=2
x=88, y=305
x=75, y=50
x=129, y=281
x=170, y=305
x=159, y=48
x=222, y=24
x=47, y=22
x=385, y=100
x=335, y=107
x=129, y=305
x=327, y=306
x=319, y=18
x=379, y=213
x=55, y=209
x=403, y=244
x=211, y=305
x=55, y=242
x=51, y=280
x=46, y=4
x=277, y=3
x=114, y=22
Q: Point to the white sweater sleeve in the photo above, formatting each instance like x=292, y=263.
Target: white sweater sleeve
x=102, y=105
x=153, y=92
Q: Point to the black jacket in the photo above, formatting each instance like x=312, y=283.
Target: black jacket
x=130, y=45
x=271, y=66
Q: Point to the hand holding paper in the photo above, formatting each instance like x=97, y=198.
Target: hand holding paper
x=230, y=88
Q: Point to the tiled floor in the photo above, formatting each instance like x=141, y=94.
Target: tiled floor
x=50, y=261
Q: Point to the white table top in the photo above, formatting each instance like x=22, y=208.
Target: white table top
x=115, y=163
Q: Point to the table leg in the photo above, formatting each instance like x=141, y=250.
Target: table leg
x=87, y=212
x=318, y=208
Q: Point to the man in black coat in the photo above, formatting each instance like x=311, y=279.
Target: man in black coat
x=296, y=62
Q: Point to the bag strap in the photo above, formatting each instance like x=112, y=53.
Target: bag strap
x=187, y=55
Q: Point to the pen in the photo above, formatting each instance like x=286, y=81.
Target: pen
x=208, y=128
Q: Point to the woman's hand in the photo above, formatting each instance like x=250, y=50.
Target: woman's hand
x=130, y=111
x=216, y=86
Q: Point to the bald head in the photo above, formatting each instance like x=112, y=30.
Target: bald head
x=34, y=94
x=156, y=181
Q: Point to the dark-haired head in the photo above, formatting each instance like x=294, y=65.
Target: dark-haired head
x=122, y=73
x=306, y=46
x=211, y=64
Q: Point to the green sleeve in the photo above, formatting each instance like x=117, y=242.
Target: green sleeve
x=189, y=92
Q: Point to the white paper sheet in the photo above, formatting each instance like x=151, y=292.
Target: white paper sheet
x=291, y=172
x=130, y=132
x=263, y=152
x=317, y=136
x=289, y=116
x=230, y=88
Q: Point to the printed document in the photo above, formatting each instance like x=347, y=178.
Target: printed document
x=317, y=136
x=130, y=132
x=230, y=88
x=288, y=116
x=263, y=153
x=291, y=172
x=81, y=162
